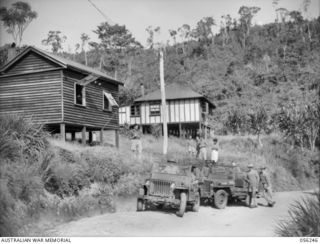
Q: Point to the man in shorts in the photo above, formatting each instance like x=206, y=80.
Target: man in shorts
x=136, y=146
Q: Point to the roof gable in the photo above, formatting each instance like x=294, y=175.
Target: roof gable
x=61, y=62
x=31, y=62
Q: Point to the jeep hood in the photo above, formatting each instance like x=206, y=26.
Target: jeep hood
x=173, y=178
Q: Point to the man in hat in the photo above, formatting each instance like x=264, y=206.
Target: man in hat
x=266, y=186
x=252, y=178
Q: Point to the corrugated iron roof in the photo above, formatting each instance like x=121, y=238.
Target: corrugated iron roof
x=173, y=91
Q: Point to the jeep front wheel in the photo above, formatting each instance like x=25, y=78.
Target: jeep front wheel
x=183, y=204
x=196, y=205
x=220, y=199
x=140, y=205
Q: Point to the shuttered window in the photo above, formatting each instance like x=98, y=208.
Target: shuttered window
x=109, y=101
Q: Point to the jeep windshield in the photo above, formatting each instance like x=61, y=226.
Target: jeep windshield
x=171, y=169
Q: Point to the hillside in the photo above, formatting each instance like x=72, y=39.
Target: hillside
x=45, y=181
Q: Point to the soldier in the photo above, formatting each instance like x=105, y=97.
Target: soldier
x=252, y=178
x=202, y=149
x=266, y=186
x=136, y=145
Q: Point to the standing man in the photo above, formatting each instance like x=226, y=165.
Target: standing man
x=214, y=151
x=203, y=149
x=197, y=146
x=135, y=137
x=266, y=186
x=252, y=178
x=190, y=146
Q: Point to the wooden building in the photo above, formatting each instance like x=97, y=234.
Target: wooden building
x=187, y=111
x=66, y=96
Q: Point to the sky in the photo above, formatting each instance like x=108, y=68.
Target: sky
x=73, y=17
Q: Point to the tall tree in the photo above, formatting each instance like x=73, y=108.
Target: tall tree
x=225, y=28
x=16, y=19
x=115, y=41
x=246, y=16
x=173, y=34
x=115, y=37
x=55, y=40
x=151, y=35
x=184, y=32
x=204, y=32
x=84, y=40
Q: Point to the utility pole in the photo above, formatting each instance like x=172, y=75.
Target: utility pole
x=164, y=106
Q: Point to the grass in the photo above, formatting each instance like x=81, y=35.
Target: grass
x=304, y=219
x=44, y=181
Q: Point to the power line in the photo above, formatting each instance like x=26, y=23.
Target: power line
x=105, y=16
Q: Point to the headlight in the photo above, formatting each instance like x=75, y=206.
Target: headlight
x=147, y=183
x=172, y=186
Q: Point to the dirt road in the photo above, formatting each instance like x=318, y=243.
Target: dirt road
x=232, y=221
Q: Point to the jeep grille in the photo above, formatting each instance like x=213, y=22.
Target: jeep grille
x=160, y=187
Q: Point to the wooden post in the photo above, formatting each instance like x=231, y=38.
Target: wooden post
x=84, y=140
x=164, y=107
x=117, y=138
x=63, y=132
x=101, y=136
x=90, y=136
x=73, y=135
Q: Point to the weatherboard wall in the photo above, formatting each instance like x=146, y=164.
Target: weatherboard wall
x=91, y=115
x=34, y=94
x=178, y=111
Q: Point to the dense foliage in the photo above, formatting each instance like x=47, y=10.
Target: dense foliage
x=242, y=68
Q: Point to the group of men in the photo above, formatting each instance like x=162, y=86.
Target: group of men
x=258, y=182
x=200, y=146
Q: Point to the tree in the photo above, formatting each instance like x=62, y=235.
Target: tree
x=225, y=28
x=301, y=124
x=115, y=41
x=184, y=32
x=151, y=35
x=173, y=34
x=203, y=31
x=258, y=122
x=115, y=37
x=16, y=19
x=246, y=16
x=84, y=40
x=55, y=40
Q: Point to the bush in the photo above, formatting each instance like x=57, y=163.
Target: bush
x=304, y=219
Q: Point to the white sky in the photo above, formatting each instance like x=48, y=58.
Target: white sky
x=73, y=17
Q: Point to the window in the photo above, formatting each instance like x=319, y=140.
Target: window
x=135, y=110
x=154, y=109
x=79, y=95
x=204, y=107
x=109, y=101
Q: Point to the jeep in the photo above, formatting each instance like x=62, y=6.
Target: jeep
x=221, y=183
x=170, y=185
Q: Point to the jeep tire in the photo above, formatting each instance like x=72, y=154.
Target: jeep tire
x=220, y=199
x=196, y=205
x=140, y=205
x=183, y=204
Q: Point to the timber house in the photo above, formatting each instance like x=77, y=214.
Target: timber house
x=66, y=96
x=187, y=111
